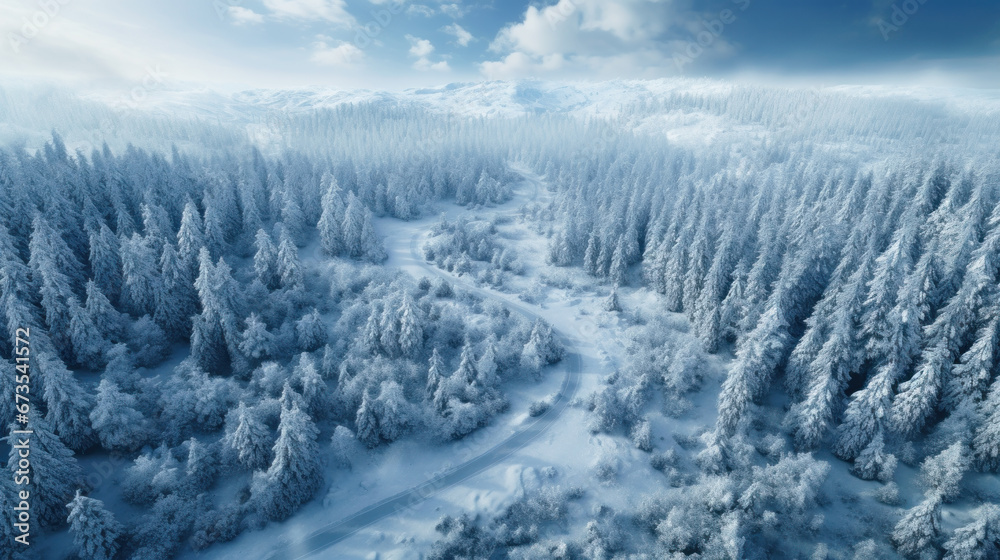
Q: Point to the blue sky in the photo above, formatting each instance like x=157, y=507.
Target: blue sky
x=392, y=44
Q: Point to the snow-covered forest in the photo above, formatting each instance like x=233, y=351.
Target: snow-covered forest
x=678, y=319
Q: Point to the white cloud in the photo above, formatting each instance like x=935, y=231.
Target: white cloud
x=420, y=10
x=453, y=10
x=600, y=39
x=462, y=37
x=341, y=54
x=332, y=11
x=421, y=49
x=425, y=65
x=244, y=16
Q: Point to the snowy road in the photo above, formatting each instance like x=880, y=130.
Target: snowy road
x=315, y=544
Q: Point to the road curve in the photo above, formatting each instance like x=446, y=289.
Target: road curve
x=337, y=531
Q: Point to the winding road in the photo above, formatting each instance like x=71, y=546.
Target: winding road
x=335, y=532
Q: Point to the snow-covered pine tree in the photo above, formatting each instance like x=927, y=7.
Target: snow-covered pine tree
x=265, y=260
x=288, y=266
x=366, y=423
x=105, y=261
x=435, y=373
x=256, y=342
x=248, y=437
x=140, y=276
x=919, y=527
x=294, y=476
x=115, y=418
x=979, y=539
x=95, y=530
x=68, y=404
x=311, y=331
x=331, y=221
x=411, y=331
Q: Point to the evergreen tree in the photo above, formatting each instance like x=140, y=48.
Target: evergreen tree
x=256, y=342
x=176, y=300
x=294, y=476
x=190, y=236
x=919, y=527
x=466, y=371
x=67, y=403
x=88, y=342
x=201, y=466
x=265, y=260
x=611, y=304
x=248, y=437
x=411, y=332
x=105, y=261
x=311, y=331
x=103, y=315
x=435, y=373
x=139, y=272
x=979, y=540
x=366, y=423
x=331, y=221
x=95, y=530
x=115, y=418
x=289, y=269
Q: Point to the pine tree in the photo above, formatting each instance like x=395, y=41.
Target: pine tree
x=466, y=371
x=68, y=404
x=840, y=356
x=190, y=236
x=360, y=240
x=487, y=365
x=970, y=378
x=176, y=300
x=116, y=419
x=256, y=342
x=392, y=411
x=95, y=530
x=367, y=423
x=311, y=331
x=873, y=462
x=611, y=304
x=88, y=342
x=619, y=267
x=942, y=474
x=314, y=389
x=103, y=315
x=756, y=357
x=201, y=466
x=105, y=261
x=979, y=539
x=294, y=476
x=919, y=528
x=289, y=269
x=248, y=437
x=435, y=373
x=265, y=260
x=411, y=332
x=139, y=272
x=331, y=221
